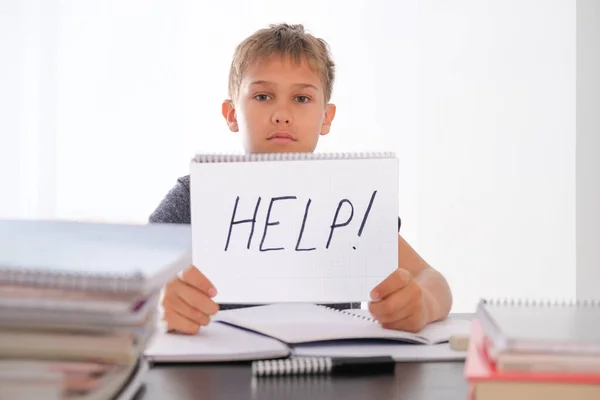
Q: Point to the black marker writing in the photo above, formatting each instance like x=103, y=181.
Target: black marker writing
x=302, y=228
x=244, y=221
x=267, y=223
x=334, y=224
x=362, y=224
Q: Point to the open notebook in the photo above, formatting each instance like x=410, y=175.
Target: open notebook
x=280, y=330
x=295, y=323
x=400, y=352
x=213, y=343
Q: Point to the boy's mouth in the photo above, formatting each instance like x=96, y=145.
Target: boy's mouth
x=282, y=137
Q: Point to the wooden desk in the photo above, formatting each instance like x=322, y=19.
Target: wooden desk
x=411, y=381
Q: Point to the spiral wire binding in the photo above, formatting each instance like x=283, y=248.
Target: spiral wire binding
x=589, y=304
x=261, y=157
x=525, y=302
x=364, y=318
x=292, y=366
x=72, y=280
x=347, y=312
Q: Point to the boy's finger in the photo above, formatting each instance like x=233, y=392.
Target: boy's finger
x=178, y=323
x=177, y=305
x=193, y=277
x=389, y=308
x=395, y=281
x=191, y=296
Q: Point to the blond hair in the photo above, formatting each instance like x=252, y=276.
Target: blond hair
x=288, y=41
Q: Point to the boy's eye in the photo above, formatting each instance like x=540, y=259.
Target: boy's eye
x=303, y=99
x=262, y=97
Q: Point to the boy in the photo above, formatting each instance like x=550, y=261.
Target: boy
x=280, y=84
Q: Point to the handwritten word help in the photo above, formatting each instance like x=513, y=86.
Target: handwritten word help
x=337, y=221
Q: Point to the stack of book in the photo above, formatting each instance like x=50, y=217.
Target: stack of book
x=534, y=350
x=79, y=303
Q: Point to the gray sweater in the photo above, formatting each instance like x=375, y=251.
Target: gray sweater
x=175, y=208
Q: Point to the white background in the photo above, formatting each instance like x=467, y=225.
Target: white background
x=103, y=103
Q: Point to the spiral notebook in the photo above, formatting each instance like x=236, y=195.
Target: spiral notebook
x=89, y=256
x=307, y=227
x=541, y=327
x=298, y=323
x=213, y=343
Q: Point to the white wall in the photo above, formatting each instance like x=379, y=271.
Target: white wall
x=588, y=145
x=496, y=146
x=10, y=96
x=477, y=98
x=28, y=108
x=149, y=89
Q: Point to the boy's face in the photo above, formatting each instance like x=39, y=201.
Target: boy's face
x=280, y=107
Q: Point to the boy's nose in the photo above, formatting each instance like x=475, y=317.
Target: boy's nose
x=279, y=118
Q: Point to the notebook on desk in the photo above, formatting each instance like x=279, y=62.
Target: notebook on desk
x=114, y=259
x=213, y=343
x=400, y=352
x=560, y=328
x=297, y=323
x=280, y=330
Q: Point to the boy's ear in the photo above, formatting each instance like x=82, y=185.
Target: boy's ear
x=228, y=111
x=329, y=115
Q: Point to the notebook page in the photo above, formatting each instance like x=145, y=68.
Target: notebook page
x=400, y=352
x=441, y=331
x=319, y=231
x=304, y=323
x=435, y=332
x=215, y=342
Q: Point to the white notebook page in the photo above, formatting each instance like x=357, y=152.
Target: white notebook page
x=436, y=332
x=304, y=323
x=400, y=352
x=322, y=231
x=215, y=342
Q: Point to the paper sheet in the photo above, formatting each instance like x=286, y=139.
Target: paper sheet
x=302, y=323
x=309, y=231
x=399, y=351
x=213, y=343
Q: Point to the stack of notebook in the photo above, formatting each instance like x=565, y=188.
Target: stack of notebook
x=78, y=305
x=535, y=350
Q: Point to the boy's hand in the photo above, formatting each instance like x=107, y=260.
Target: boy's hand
x=188, y=302
x=399, y=303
